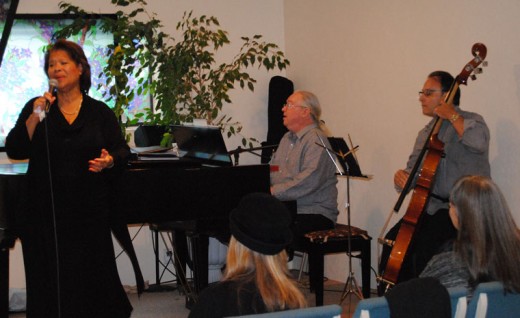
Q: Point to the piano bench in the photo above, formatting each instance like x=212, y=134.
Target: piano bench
x=319, y=243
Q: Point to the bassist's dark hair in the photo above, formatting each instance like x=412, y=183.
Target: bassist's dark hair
x=446, y=80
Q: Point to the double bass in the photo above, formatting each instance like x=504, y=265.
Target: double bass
x=425, y=169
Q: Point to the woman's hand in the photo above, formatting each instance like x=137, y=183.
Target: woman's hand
x=38, y=114
x=40, y=103
x=103, y=162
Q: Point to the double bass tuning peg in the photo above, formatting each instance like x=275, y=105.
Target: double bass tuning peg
x=478, y=70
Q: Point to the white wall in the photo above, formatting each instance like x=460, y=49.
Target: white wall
x=366, y=61
x=239, y=18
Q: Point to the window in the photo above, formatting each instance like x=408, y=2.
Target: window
x=22, y=74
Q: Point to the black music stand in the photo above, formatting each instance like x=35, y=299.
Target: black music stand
x=349, y=168
x=236, y=153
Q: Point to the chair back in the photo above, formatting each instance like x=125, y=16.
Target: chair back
x=490, y=300
x=372, y=308
x=329, y=311
x=459, y=302
x=378, y=307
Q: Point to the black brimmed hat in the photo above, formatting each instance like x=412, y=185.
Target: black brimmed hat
x=262, y=223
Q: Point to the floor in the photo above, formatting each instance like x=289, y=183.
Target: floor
x=334, y=294
x=170, y=303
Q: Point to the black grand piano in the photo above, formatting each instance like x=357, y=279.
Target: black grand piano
x=149, y=191
x=188, y=190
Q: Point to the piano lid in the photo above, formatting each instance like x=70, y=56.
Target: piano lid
x=203, y=143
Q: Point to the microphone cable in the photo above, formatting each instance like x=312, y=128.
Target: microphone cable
x=53, y=208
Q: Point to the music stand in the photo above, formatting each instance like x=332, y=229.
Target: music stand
x=349, y=168
x=236, y=153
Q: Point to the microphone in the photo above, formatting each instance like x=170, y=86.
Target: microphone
x=52, y=85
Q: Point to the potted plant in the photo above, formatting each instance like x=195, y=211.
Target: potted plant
x=185, y=81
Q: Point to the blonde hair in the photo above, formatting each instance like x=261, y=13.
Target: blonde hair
x=270, y=274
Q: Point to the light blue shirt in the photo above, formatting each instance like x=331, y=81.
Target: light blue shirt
x=466, y=155
x=306, y=173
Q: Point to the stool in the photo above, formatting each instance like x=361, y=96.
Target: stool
x=319, y=243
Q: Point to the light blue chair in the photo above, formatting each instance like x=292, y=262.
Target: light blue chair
x=372, y=308
x=459, y=301
x=378, y=307
x=329, y=311
x=490, y=301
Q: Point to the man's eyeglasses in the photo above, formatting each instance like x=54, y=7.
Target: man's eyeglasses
x=289, y=105
x=429, y=92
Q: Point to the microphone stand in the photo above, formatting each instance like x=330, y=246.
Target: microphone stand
x=53, y=207
x=236, y=153
x=351, y=285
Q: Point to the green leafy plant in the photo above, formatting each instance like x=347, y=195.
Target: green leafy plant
x=186, y=82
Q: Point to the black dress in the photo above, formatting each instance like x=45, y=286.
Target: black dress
x=89, y=284
x=228, y=299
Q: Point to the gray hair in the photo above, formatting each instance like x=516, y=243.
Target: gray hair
x=311, y=101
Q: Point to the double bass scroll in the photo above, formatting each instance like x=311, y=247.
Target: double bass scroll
x=425, y=169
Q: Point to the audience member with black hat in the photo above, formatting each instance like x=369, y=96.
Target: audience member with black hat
x=256, y=279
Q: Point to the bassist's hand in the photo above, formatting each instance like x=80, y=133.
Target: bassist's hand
x=448, y=112
x=400, y=179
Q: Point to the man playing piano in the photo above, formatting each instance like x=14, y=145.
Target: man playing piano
x=301, y=169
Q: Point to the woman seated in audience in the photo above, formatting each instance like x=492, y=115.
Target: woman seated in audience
x=487, y=247
x=256, y=279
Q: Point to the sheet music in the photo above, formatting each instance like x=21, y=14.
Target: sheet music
x=156, y=153
x=347, y=157
x=150, y=149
